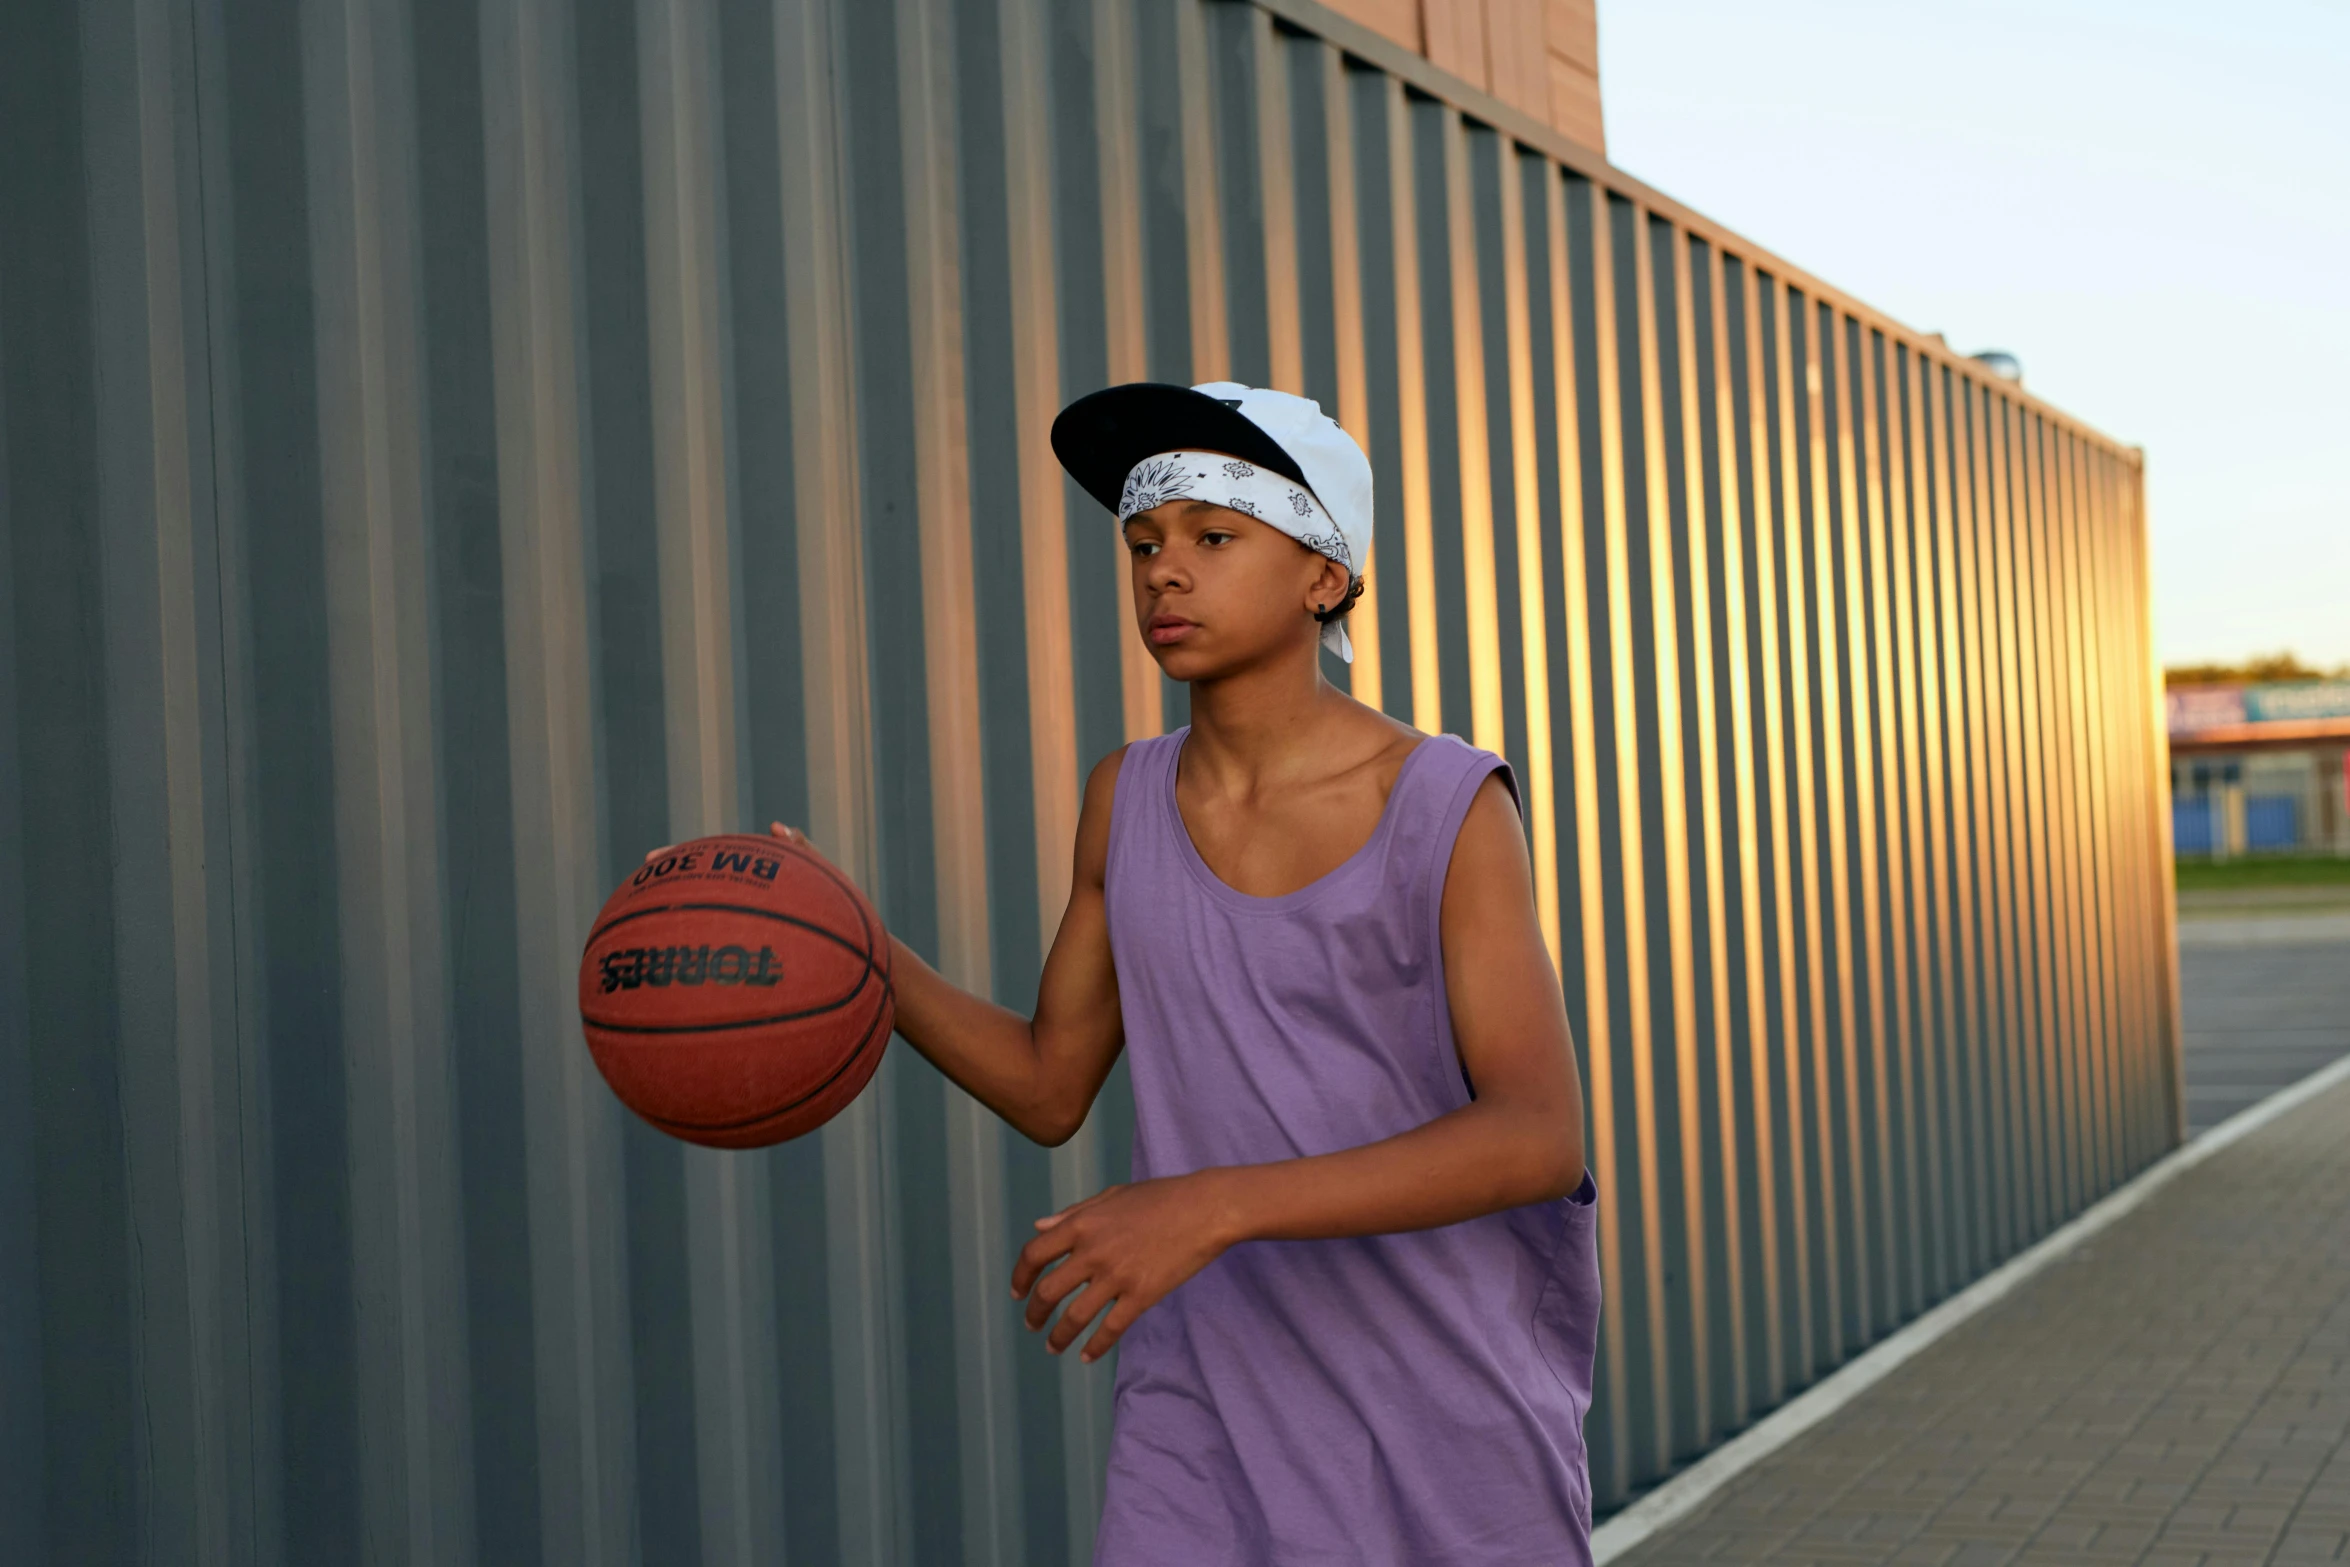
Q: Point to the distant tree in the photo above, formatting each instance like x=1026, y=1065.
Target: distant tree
x=2253, y=671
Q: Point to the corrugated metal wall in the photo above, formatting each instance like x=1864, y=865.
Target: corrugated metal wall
x=452, y=445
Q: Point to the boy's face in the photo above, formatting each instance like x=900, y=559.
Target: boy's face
x=1216, y=591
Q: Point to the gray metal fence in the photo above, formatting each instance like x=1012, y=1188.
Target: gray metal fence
x=452, y=445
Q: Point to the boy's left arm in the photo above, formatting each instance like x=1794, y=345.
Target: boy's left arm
x=1519, y=1141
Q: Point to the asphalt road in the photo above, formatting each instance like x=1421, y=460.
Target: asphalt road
x=2266, y=999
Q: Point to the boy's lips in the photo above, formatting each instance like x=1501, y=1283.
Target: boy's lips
x=1168, y=628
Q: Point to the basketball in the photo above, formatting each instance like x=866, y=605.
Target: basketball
x=735, y=992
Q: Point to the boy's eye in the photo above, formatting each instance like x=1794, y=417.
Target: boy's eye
x=1217, y=536
x=1144, y=548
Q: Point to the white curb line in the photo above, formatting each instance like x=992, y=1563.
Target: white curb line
x=1691, y=1489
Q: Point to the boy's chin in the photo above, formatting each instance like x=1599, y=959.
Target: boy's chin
x=1189, y=661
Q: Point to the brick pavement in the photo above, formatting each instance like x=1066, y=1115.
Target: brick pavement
x=2175, y=1391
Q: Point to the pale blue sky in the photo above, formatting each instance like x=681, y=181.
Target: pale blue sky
x=2147, y=202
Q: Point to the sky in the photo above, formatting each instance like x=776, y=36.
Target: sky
x=2146, y=202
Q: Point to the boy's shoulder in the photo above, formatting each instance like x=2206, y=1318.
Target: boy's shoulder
x=1093, y=817
x=1105, y=771
x=1400, y=738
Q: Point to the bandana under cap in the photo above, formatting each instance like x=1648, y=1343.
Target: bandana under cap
x=1278, y=502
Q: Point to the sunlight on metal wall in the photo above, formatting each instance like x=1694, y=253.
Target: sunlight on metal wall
x=451, y=446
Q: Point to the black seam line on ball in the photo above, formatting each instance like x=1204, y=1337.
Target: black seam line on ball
x=748, y=1022
x=839, y=1072
x=834, y=937
x=876, y=934
x=877, y=953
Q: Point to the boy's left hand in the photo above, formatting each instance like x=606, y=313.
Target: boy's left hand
x=1128, y=1244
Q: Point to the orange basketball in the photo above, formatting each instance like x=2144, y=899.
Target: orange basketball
x=736, y=991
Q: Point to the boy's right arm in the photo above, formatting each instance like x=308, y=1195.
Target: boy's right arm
x=1040, y=1074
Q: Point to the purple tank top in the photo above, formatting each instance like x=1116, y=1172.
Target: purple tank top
x=1412, y=1398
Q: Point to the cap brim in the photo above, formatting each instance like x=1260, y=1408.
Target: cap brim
x=1101, y=436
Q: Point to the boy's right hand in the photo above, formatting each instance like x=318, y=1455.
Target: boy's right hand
x=1042, y=1074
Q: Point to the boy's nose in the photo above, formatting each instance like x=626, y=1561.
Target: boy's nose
x=1165, y=572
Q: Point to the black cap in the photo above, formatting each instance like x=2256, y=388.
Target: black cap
x=1101, y=436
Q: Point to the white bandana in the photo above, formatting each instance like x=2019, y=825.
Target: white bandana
x=1278, y=502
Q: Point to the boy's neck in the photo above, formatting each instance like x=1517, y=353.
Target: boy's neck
x=1265, y=721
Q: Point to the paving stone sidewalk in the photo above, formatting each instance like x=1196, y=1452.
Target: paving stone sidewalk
x=2176, y=1391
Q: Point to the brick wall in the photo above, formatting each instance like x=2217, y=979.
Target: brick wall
x=1540, y=56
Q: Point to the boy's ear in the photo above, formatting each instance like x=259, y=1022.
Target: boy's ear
x=1330, y=587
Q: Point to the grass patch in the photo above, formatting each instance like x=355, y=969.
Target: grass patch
x=2285, y=870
